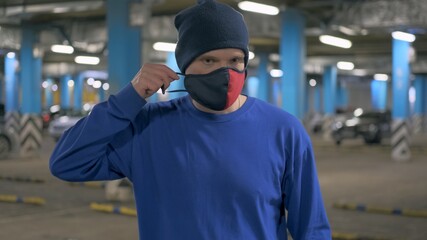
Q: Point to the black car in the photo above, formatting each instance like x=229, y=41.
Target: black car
x=373, y=126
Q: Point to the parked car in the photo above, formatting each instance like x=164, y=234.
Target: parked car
x=49, y=114
x=60, y=124
x=5, y=141
x=373, y=126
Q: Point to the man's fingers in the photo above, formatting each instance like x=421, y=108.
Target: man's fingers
x=152, y=77
x=169, y=72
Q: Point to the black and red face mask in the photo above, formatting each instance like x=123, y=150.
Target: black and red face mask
x=217, y=90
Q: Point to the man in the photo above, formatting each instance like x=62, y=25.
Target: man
x=214, y=164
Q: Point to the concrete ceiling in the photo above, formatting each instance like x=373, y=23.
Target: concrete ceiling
x=82, y=23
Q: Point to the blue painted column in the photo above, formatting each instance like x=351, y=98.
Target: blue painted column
x=306, y=102
x=263, y=77
x=78, y=92
x=379, y=95
x=329, y=89
x=36, y=84
x=101, y=94
x=11, y=83
x=329, y=99
x=48, y=93
x=400, y=128
x=65, y=92
x=30, y=74
x=30, y=136
x=419, y=118
x=292, y=55
x=252, y=86
x=124, y=45
x=12, y=116
x=317, y=99
x=341, y=96
x=175, y=85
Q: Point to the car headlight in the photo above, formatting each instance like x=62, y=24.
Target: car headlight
x=337, y=125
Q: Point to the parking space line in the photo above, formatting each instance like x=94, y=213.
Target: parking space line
x=381, y=210
x=20, y=199
x=109, y=208
x=351, y=236
x=22, y=179
x=89, y=184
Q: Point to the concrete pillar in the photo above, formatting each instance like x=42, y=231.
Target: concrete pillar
x=400, y=138
x=379, y=95
x=48, y=93
x=252, y=86
x=341, y=96
x=30, y=135
x=419, y=118
x=329, y=99
x=78, y=92
x=11, y=83
x=124, y=45
x=292, y=55
x=12, y=116
x=65, y=91
x=175, y=85
x=317, y=99
x=101, y=94
x=329, y=89
x=263, y=77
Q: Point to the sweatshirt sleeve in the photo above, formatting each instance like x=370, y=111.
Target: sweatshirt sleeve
x=307, y=217
x=98, y=147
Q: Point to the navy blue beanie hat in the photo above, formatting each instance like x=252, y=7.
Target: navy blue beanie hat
x=208, y=26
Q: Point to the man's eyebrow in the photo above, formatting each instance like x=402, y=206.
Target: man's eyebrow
x=206, y=56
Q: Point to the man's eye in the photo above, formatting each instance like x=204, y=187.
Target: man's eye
x=208, y=61
x=237, y=60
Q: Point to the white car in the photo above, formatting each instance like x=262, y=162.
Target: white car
x=58, y=126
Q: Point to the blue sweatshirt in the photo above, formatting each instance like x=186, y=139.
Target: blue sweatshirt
x=198, y=175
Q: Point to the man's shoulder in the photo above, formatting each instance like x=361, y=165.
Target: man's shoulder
x=271, y=110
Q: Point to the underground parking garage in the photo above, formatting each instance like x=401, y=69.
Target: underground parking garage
x=353, y=72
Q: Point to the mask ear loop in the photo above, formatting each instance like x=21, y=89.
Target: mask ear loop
x=172, y=91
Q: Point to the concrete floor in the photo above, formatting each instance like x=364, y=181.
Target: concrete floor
x=351, y=173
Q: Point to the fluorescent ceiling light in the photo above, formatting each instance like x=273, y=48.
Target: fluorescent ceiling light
x=105, y=86
x=412, y=95
x=86, y=60
x=45, y=84
x=11, y=55
x=335, y=41
x=54, y=87
x=312, y=82
x=381, y=77
x=70, y=83
x=276, y=73
x=346, y=30
x=60, y=10
x=407, y=37
x=345, y=65
x=90, y=81
x=97, y=84
x=274, y=57
x=164, y=46
x=360, y=72
x=258, y=8
x=62, y=49
x=251, y=55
